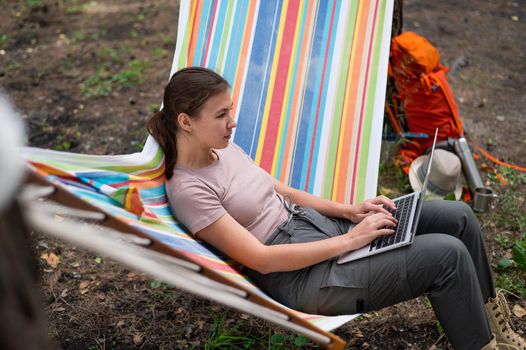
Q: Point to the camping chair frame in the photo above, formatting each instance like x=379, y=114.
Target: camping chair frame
x=132, y=247
x=316, y=126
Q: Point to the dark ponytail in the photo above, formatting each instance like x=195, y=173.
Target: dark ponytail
x=186, y=92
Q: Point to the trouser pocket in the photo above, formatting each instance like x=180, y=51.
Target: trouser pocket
x=328, y=226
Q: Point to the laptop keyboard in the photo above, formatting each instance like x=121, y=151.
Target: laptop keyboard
x=403, y=215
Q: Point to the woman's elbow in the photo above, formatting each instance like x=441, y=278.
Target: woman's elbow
x=261, y=262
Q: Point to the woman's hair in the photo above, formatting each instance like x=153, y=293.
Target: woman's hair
x=186, y=92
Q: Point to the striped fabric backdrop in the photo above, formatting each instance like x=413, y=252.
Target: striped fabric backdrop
x=308, y=84
x=308, y=80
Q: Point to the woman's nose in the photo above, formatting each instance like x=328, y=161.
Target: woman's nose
x=232, y=123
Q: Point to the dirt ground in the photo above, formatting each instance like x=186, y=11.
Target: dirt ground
x=85, y=75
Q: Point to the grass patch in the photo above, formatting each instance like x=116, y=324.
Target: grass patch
x=160, y=53
x=98, y=84
x=65, y=142
x=513, y=281
x=133, y=74
x=34, y=3
x=103, y=82
x=79, y=36
x=510, y=201
x=225, y=337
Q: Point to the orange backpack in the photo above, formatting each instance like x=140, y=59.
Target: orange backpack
x=424, y=93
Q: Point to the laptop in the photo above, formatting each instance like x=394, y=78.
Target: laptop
x=408, y=209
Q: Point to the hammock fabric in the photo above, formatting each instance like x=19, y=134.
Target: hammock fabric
x=308, y=83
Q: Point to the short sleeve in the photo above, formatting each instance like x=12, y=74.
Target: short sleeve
x=195, y=205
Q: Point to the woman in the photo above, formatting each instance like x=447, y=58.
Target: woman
x=288, y=239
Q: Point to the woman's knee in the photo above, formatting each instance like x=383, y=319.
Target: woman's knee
x=436, y=259
x=449, y=249
x=457, y=218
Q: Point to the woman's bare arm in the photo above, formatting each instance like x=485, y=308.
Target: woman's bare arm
x=227, y=235
x=355, y=213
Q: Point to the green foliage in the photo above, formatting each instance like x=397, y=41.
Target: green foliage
x=519, y=253
x=153, y=107
x=167, y=39
x=139, y=18
x=504, y=263
x=103, y=82
x=155, y=284
x=223, y=337
x=503, y=240
x=78, y=36
x=134, y=74
x=67, y=141
x=439, y=328
x=98, y=84
x=75, y=9
x=108, y=53
x=159, y=52
x=278, y=341
x=510, y=201
x=4, y=39
x=34, y=3
x=511, y=280
x=450, y=197
x=12, y=66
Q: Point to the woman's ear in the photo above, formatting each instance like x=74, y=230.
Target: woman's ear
x=185, y=122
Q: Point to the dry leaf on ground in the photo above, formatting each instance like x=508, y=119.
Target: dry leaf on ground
x=52, y=259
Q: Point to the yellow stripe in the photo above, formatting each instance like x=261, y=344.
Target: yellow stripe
x=275, y=61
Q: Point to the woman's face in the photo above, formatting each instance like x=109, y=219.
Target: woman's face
x=214, y=125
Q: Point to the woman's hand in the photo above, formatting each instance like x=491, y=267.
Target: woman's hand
x=372, y=226
x=356, y=213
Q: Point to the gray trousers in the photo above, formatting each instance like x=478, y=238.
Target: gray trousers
x=446, y=261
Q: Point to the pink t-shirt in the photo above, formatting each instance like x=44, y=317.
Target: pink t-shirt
x=233, y=184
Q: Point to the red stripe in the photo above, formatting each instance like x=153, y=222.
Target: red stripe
x=155, y=204
x=280, y=85
x=203, y=60
x=319, y=99
x=357, y=152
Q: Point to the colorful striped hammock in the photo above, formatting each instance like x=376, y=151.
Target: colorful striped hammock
x=308, y=83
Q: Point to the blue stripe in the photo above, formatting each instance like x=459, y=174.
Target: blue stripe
x=220, y=24
x=153, y=192
x=252, y=103
x=239, y=18
x=201, y=34
x=330, y=37
x=299, y=170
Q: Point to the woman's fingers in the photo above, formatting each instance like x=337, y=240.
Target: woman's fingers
x=379, y=221
x=383, y=200
x=375, y=208
x=385, y=232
